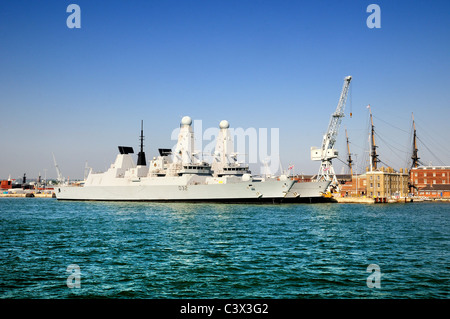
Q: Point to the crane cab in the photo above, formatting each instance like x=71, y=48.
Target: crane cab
x=317, y=154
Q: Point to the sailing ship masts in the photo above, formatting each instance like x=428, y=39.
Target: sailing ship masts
x=414, y=157
x=349, y=160
x=374, y=156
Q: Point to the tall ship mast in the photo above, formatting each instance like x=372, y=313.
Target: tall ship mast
x=349, y=158
x=415, y=157
x=373, y=147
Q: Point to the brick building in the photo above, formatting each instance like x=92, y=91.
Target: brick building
x=435, y=191
x=354, y=187
x=431, y=181
x=430, y=175
x=382, y=183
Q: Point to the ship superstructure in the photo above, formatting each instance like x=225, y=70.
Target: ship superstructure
x=225, y=159
x=225, y=164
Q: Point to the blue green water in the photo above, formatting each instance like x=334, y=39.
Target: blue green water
x=147, y=250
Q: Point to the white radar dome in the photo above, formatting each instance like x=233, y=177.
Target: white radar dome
x=224, y=124
x=186, y=120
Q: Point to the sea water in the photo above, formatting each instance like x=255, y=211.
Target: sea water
x=57, y=249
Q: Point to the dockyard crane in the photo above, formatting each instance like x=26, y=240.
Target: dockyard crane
x=58, y=172
x=326, y=153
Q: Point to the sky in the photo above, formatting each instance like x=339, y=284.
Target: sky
x=81, y=92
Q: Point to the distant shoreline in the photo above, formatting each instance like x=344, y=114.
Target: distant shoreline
x=31, y=195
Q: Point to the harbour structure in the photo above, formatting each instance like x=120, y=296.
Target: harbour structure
x=13, y=188
x=9, y=184
x=60, y=178
x=178, y=175
x=6, y=184
x=326, y=153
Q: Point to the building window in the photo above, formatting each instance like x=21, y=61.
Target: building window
x=443, y=181
x=378, y=184
x=424, y=174
x=443, y=174
x=415, y=174
x=434, y=181
x=434, y=174
x=425, y=181
x=371, y=185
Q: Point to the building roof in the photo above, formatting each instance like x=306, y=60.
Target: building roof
x=431, y=167
x=385, y=172
x=436, y=187
x=344, y=177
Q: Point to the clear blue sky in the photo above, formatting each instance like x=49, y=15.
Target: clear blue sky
x=80, y=93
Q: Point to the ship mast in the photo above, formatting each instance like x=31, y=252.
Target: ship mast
x=349, y=159
x=414, y=157
x=141, y=155
x=373, y=154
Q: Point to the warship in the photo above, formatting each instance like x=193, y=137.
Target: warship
x=225, y=163
x=178, y=175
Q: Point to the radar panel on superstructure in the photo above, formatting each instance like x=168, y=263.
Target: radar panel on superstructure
x=126, y=150
x=164, y=151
